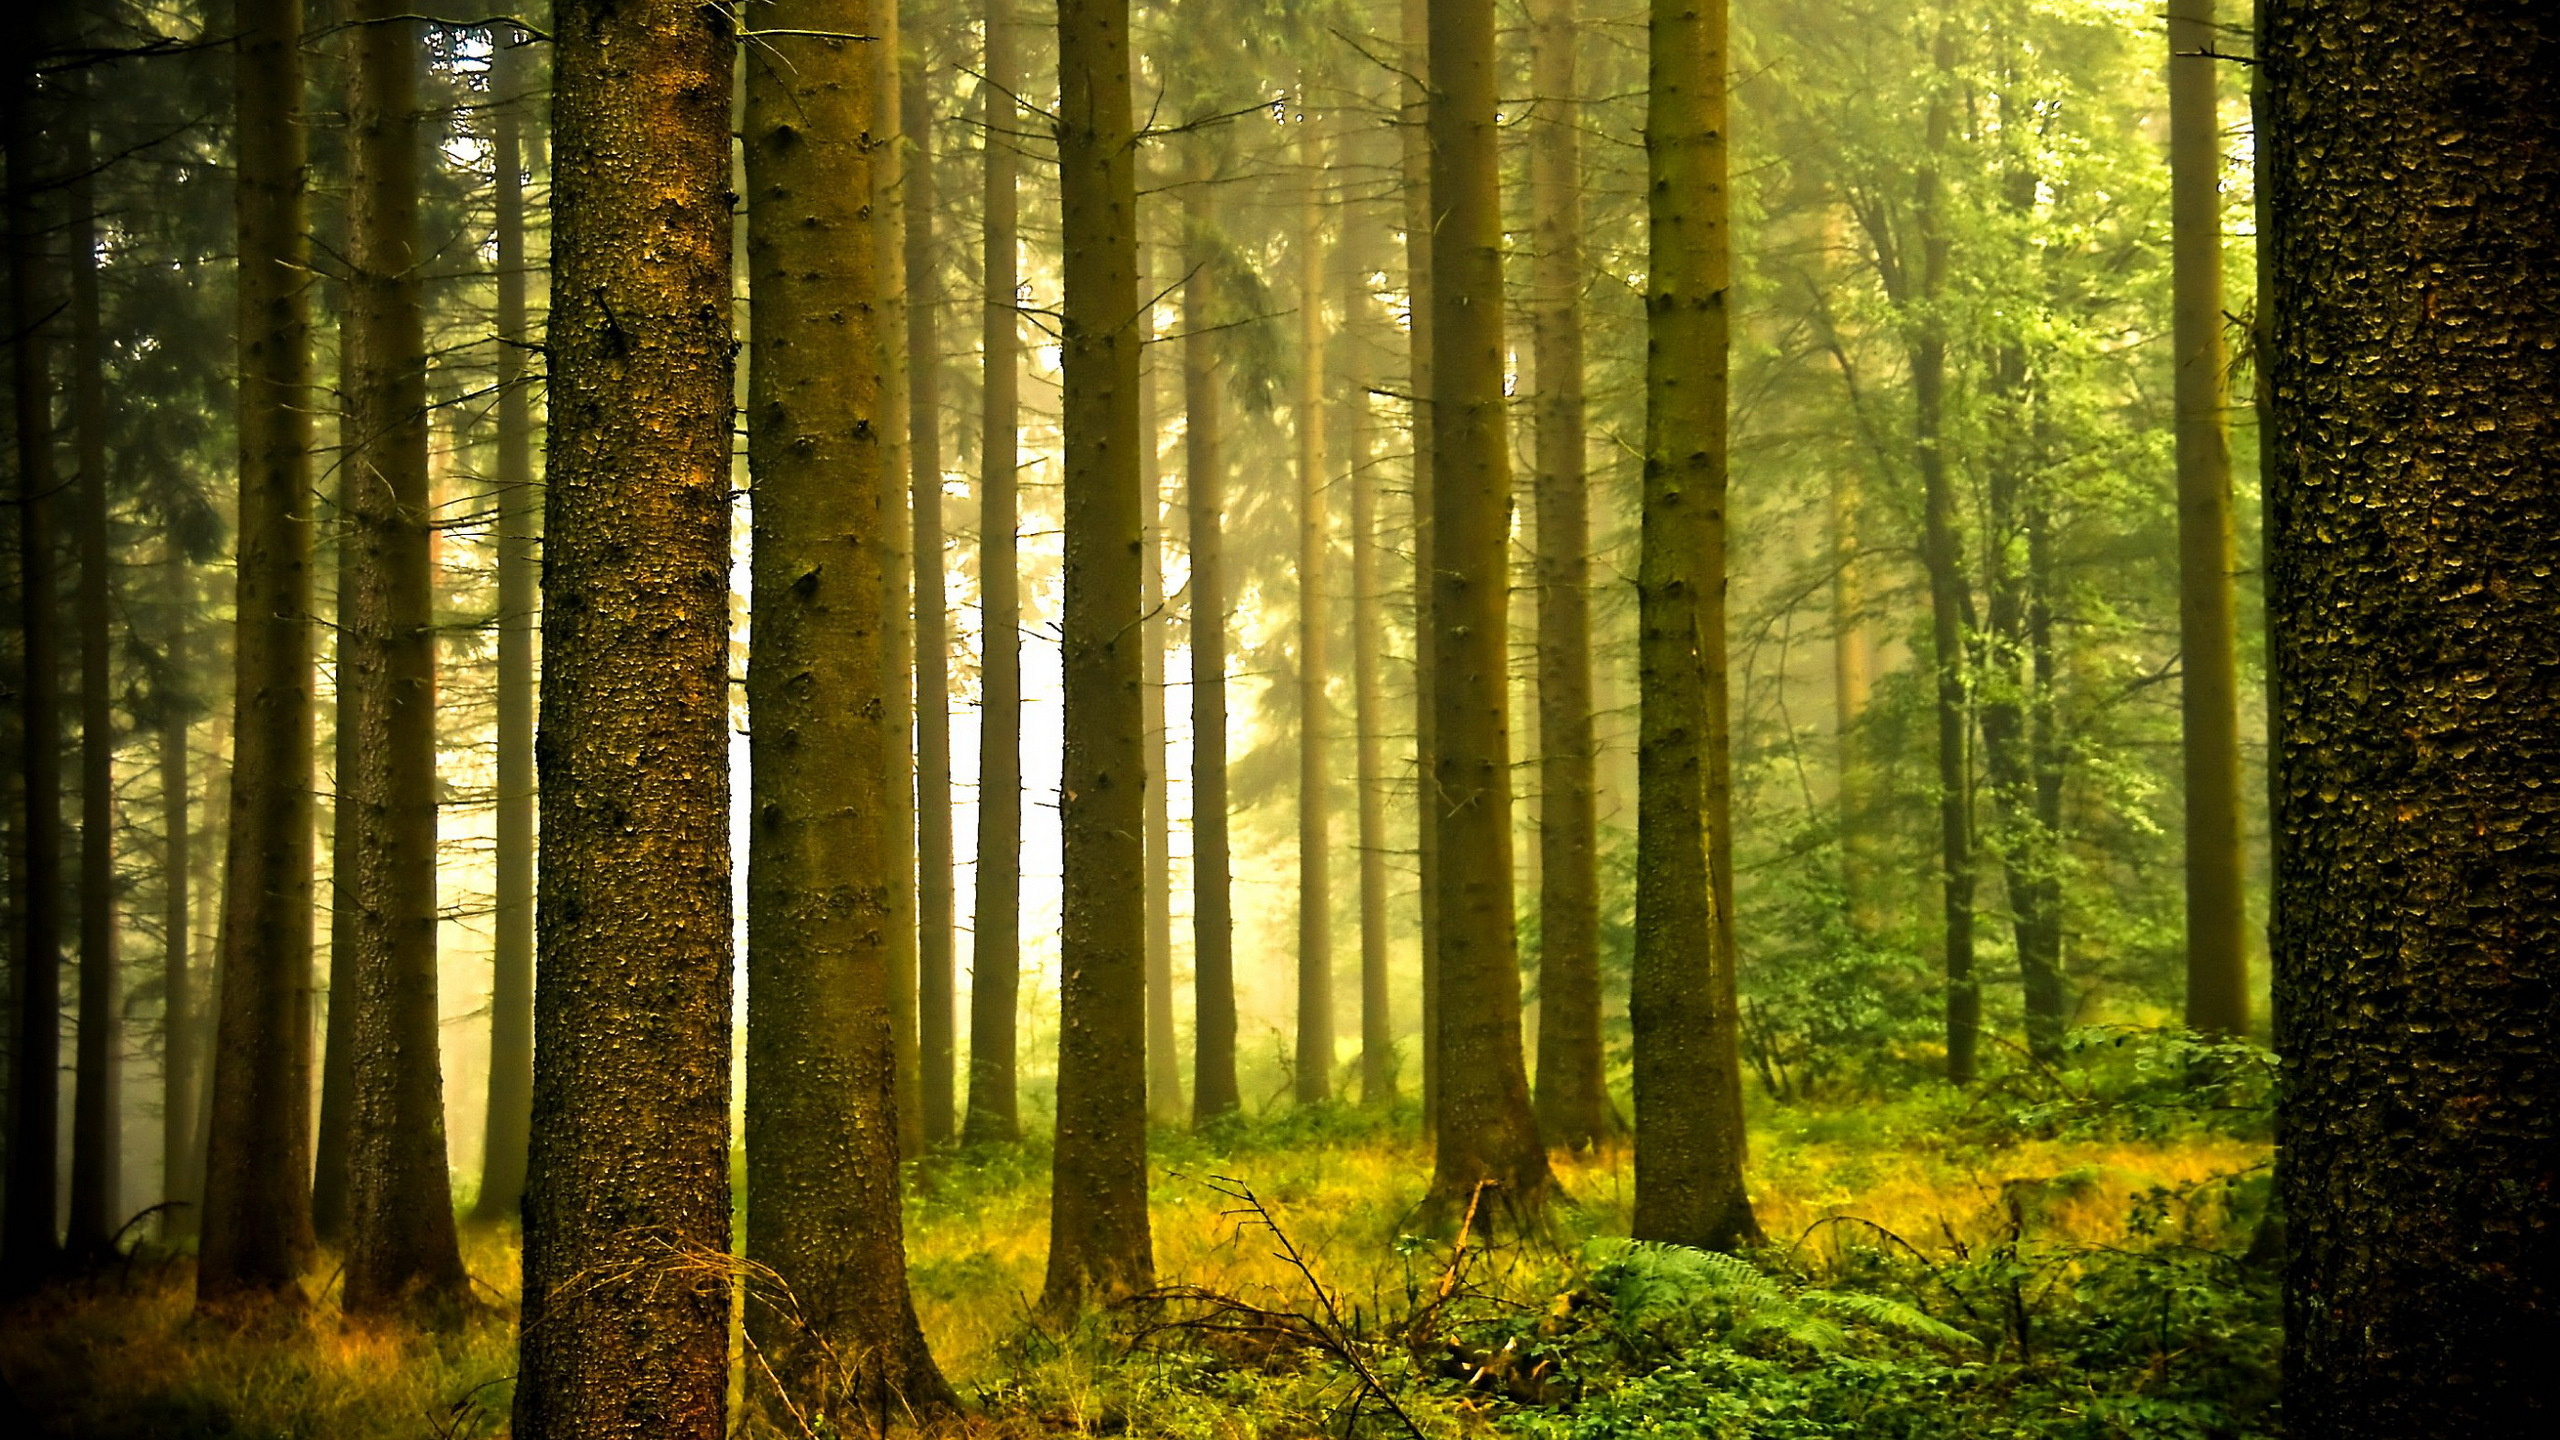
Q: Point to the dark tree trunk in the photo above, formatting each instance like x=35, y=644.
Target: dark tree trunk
x=836, y=1330
x=181, y=1167
x=1314, y=1055
x=1688, y=1075
x=519, y=575
x=1098, y=1242
x=626, y=1292
x=1486, y=1133
x=995, y=950
x=1414, y=120
x=1573, y=1096
x=1213, y=1054
x=2413, y=166
x=257, y=1203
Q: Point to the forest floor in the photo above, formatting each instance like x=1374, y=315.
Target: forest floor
x=1936, y=1265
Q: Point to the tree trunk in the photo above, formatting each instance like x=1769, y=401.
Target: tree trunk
x=1486, y=1131
x=1573, y=1095
x=1852, y=672
x=1688, y=1074
x=181, y=1177
x=257, y=1203
x=889, y=256
x=2413, y=545
x=519, y=573
x=1360, y=326
x=401, y=1246
x=1098, y=1242
x=2209, y=704
x=627, y=1214
x=1164, y=1066
x=935, y=1090
x=1213, y=985
x=97, y=1138
x=1415, y=102
x=29, y=1239
x=1314, y=1059
x=995, y=952
x=836, y=1330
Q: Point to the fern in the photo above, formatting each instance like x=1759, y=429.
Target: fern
x=1675, y=1295
x=1880, y=1313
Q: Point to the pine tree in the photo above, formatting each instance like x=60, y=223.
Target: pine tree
x=1213, y=1075
x=1314, y=1058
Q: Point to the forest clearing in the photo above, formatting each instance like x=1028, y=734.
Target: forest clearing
x=1270, y=719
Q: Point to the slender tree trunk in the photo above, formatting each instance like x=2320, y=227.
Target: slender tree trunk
x=2208, y=625
x=838, y=1329
x=257, y=1204
x=1852, y=668
x=936, y=1091
x=1688, y=1073
x=181, y=1180
x=29, y=1240
x=1098, y=1241
x=1213, y=986
x=627, y=1214
x=1486, y=1131
x=2027, y=847
x=2413, y=572
x=1164, y=1066
x=519, y=574
x=1573, y=1096
x=1360, y=323
x=995, y=953
x=888, y=218
x=401, y=1246
x=1314, y=1067
x=1415, y=104
x=97, y=1122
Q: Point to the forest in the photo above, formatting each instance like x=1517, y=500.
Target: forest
x=1280, y=719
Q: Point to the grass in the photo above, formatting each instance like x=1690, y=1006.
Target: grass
x=2039, y=1243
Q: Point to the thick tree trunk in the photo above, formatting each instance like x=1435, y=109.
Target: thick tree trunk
x=97, y=1122
x=836, y=1330
x=29, y=1241
x=1486, y=1133
x=889, y=258
x=1213, y=985
x=519, y=574
x=181, y=1174
x=1688, y=1074
x=1573, y=1095
x=1164, y=1066
x=400, y=1232
x=1098, y=1242
x=995, y=951
x=1414, y=122
x=627, y=1215
x=2413, y=166
x=257, y=1204
x=936, y=1092
x=2209, y=670
x=1314, y=1058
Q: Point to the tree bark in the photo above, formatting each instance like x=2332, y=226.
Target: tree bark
x=519, y=574
x=1164, y=1066
x=1415, y=119
x=1098, y=1242
x=401, y=1246
x=936, y=1091
x=627, y=1214
x=1360, y=331
x=1486, y=1132
x=1572, y=1092
x=1213, y=986
x=2412, y=166
x=888, y=218
x=995, y=952
x=2209, y=671
x=1314, y=1058
x=29, y=1239
x=257, y=1204
x=181, y=1167
x=1688, y=1074
x=836, y=1330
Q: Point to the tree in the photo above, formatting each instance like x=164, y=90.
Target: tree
x=1485, y=1131
x=401, y=1244
x=995, y=951
x=1098, y=1241
x=626, y=1296
x=888, y=218
x=519, y=575
x=1164, y=1066
x=1314, y=1068
x=1414, y=121
x=1688, y=1079
x=840, y=1337
x=181, y=1178
x=257, y=1201
x=1572, y=1093
x=2209, y=672
x=29, y=1236
x=2411, y=166
x=1213, y=1074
